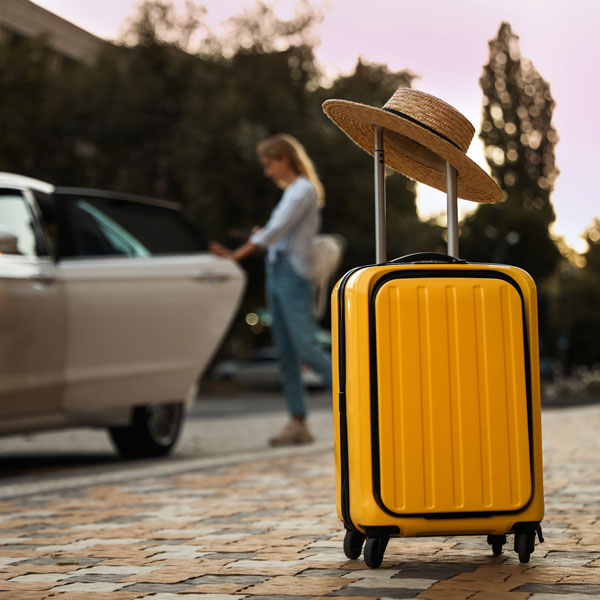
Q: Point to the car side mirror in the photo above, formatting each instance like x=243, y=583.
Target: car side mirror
x=8, y=242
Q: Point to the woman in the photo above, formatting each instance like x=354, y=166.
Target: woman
x=287, y=236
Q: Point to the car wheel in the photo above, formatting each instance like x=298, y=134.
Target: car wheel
x=153, y=431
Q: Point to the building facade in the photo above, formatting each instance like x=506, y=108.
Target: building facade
x=22, y=19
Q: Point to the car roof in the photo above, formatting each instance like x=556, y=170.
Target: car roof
x=14, y=179
x=26, y=182
x=80, y=191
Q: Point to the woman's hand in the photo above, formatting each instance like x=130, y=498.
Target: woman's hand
x=242, y=252
x=220, y=250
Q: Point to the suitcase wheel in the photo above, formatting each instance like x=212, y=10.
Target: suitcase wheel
x=353, y=543
x=496, y=542
x=374, y=550
x=524, y=545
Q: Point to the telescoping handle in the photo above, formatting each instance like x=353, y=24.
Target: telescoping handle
x=380, y=202
x=429, y=257
x=380, y=224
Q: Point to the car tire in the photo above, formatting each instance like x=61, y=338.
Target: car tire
x=153, y=431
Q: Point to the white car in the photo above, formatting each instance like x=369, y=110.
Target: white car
x=110, y=310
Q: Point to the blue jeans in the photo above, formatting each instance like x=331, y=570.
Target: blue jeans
x=289, y=297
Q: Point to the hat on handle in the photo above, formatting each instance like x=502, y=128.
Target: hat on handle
x=421, y=133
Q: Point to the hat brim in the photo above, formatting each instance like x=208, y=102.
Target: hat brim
x=413, y=150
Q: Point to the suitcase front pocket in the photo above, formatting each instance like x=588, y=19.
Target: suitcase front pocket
x=450, y=394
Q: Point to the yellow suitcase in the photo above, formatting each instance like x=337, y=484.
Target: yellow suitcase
x=435, y=364
x=438, y=404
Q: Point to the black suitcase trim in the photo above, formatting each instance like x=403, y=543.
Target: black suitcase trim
x=432, y=273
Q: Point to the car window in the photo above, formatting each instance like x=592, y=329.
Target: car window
x=93, y=233
x=97, y=225
x=16, y=218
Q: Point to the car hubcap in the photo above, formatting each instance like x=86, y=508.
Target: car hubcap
x=163, y=422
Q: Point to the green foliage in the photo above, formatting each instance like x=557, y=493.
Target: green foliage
x=576, y=306
x=32, y=140
x=348, y=175
x=519, y=138
x=156, y=23
x=175, y=112
x=592, y=256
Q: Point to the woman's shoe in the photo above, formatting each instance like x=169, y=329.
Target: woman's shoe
x=294, y=433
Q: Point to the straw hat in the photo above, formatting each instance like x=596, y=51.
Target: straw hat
x=421, y=133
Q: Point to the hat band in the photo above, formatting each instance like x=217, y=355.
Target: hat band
x=423, y=125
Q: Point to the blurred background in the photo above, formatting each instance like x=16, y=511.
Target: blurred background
x=173, y=107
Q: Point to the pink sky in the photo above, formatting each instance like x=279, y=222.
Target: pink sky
x=445, y=42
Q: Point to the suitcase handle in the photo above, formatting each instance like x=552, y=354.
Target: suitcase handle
x=429, y=257
x=451, y=193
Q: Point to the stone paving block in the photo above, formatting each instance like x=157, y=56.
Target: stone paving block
x=500, y=596
x=432, y=594
x=377, y=592
x=432, y=570
x=560, y=597
x=324, y=558
x=236, y=547
x=341, y=598
x=27, y=568
x=23, y=595
x=130, y=553
x=323, y=573
x=292, y=586
x=193, y=569
x=286, y=538
x=572, y=558
x=483, y=573
x=166, y=576
x=592, y=577
x=519, y=579
x=481, y=585
x=94, y=579
x=327, y=565
x=171, y=596
x=118, y=595
x=16, y=587
x=154, y=588
x=242, y=581
x=103, y=587
x=215, y=588
x=260, y=570
x=564, y=589
x=40, y=577
x=222, y=584
x=412, y=584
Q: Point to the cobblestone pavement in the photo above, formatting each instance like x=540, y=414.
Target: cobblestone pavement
x=263, y=526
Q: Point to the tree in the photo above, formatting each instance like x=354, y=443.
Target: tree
x=575, y=306
x=32, y=104
x=348, y=174
x=156, y=22
x=175, y=112
x=519, y=144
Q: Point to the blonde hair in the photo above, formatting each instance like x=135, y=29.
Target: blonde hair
x=284, y=145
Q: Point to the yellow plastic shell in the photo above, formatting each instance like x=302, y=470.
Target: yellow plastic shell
x=457, y=443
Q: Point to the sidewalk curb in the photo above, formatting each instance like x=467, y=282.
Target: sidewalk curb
x=153, y=468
